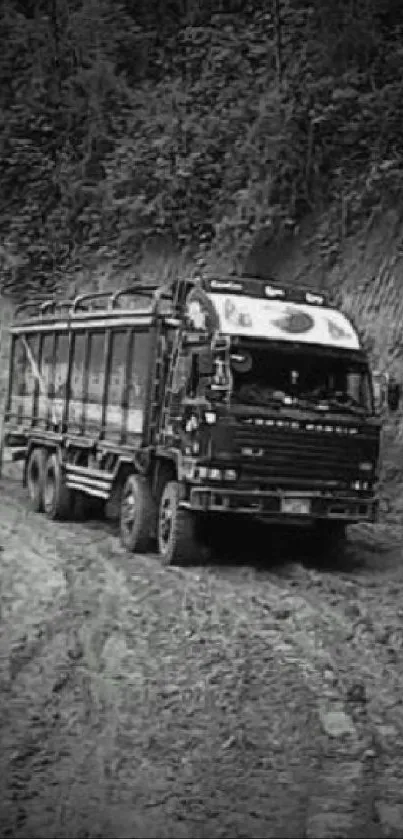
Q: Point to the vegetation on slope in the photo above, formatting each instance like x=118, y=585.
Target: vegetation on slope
x=207, y=125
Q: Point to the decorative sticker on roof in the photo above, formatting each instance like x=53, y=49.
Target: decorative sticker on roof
x=235, y=316
x=281, y=321
x=336, y=331
x=295, y=321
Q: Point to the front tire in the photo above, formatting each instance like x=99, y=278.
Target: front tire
x=137, y=509
x=57, y=498
x=176, y=529
x=35, y=477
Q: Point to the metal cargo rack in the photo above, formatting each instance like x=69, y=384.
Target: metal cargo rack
x=107, y=302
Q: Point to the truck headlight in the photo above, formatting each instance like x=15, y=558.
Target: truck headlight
x=360, y=485
x=215, y=474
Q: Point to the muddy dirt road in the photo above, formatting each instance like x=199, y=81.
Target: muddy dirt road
x=255, y=699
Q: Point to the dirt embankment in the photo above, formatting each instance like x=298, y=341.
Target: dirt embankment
x=259, y=698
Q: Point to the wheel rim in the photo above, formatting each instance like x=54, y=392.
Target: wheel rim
x=49, y=492
x=128, y=509
x=165, y=523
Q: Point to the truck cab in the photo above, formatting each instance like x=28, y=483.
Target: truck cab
x=279, y=417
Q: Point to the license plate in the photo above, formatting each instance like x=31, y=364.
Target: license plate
x=296, y=506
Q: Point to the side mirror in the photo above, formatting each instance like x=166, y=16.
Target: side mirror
x=181, y=374
x=380, y=388
x=393, y=394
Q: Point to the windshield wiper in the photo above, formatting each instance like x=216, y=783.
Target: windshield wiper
x=340, y=400
x=271, y=400
x=351, y=405
x=312, y=404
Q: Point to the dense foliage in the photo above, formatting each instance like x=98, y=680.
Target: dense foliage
x=203, y=123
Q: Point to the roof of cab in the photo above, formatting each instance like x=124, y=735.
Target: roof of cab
x=255, y=308
x=279, y=320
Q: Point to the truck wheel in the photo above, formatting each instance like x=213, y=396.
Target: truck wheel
x=176, y=529
x=137, y=508
x=35, y=476
x=57, y=498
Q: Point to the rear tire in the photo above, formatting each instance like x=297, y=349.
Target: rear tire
x=176, y=530
x=57, y=498
x=35, y=477
x=137, y=508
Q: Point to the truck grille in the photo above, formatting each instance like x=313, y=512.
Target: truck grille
x=290, y=457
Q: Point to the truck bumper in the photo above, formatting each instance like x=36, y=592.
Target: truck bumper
x=287, y=507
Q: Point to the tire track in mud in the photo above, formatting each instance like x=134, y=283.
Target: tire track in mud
x=317, y=636
x=289, y=614
x=349, y=628
x=171, y=701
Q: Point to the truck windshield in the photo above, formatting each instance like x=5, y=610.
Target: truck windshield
x=262, y=377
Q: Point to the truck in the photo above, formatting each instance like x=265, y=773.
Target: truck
x=196, y=407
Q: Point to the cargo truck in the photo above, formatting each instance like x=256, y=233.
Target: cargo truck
x=194, y=408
